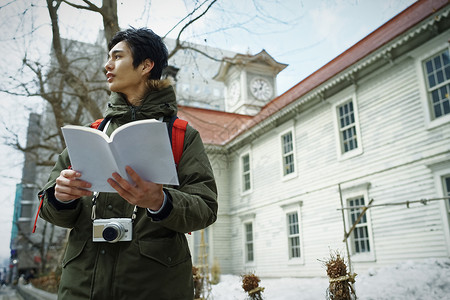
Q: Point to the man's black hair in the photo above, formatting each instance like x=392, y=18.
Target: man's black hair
x=144, y=44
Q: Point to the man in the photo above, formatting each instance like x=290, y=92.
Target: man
x=156, y=263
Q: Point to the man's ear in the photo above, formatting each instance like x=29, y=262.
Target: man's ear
x=147, y=66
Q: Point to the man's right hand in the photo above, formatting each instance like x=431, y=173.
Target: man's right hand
x=70, y=187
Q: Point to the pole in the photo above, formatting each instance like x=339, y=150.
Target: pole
x=345, y=231
x=347, y=234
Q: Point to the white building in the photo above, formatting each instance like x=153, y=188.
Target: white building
x=373, y=124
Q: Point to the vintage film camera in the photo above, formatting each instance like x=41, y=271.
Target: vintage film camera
x=112, y=230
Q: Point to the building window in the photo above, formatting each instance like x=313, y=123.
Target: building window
x=437, y=73
x=360, y=235
x=249, y=253
x=26, y=210
x=246, y=183
x=446, y=180
x=441, y=174
x=347, y=127
x=288, y=153
x=293, y=235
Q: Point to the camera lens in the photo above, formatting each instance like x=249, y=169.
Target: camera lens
x=113, y=232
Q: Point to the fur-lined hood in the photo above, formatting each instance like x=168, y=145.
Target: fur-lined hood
x=158, y=85
x=160, y=101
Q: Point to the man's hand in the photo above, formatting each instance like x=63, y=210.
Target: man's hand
x=143, y=193
x=70, y=187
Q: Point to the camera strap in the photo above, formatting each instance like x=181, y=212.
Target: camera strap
x=94, y=207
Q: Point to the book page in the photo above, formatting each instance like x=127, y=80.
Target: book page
x=90, y=154
x=145, y=147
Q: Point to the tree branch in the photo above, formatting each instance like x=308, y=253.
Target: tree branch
x=190, y=14
x=6, y=4
x=182, y=46
x=177, y=43
x=91, y=6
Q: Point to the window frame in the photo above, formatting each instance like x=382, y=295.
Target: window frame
x=420, y=55
x=441, y=170
x=26, y=210
x=339, y=142
x=244, y=173
x=429, y=90
x=246, y=219
x=351, y=193
x=283, y=155
x=246, y=243
x=446, y=189
x=290, y=208
x=291, y=236
x=354, y=214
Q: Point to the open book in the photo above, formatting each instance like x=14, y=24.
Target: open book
x=142, y=145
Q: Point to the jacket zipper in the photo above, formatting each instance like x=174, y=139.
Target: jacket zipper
x=133, y=113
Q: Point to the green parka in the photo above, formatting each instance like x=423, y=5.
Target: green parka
x=156, y=264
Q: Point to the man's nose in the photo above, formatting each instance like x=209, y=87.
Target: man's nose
x=108, y=65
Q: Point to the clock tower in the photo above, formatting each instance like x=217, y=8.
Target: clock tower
x=250, y=81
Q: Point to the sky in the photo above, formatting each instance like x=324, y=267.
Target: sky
x=305, y=34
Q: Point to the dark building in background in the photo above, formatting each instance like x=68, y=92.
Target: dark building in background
x=31, y=252
x=24, y=257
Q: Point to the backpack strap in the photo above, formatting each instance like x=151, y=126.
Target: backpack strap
x=100, y=123
x=177, y=137
x=96, y=123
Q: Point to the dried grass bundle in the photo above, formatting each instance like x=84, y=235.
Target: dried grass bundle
x=250, y=284
x=198, y=282
x=340, y=287
x=215, y=272
x=49, y=283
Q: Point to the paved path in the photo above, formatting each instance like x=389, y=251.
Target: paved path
x=8, y=293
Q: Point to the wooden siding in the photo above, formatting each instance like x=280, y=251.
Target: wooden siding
x=221, y=247
x=397, y=147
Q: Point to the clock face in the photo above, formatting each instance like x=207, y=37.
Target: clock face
x=234, y=92
x=261, y=89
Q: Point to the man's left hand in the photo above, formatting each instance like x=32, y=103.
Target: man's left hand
x=145, y=194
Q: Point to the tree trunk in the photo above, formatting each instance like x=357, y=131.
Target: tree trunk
x=110, y=19
x=64, y=67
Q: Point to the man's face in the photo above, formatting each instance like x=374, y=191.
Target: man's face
x=121, y=75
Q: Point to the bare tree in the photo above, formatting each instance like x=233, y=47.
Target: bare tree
x=72, y=82
x=71, y=91
x=108, y=11
x=71, y=85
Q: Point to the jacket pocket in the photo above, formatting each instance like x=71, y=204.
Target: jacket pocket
x=167, y=251
x=74, y=250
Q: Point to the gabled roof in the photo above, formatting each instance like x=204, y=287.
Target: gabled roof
x=215, y=127
x=219, y=128
x=398, y=25
x=245, y=59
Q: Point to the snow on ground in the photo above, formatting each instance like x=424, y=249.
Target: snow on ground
x=422, y=280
